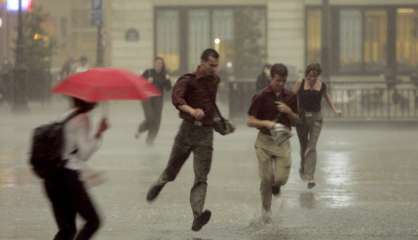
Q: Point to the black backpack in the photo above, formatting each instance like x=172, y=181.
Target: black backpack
x=47, y=147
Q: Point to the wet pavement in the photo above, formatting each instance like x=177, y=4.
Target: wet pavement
x=367, y=180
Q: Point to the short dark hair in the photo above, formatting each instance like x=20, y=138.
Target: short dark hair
x=316, y=67
x=210, y=52
x=278, y=69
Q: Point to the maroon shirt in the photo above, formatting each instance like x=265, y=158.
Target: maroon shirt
x=196, y=91
x=264, y=108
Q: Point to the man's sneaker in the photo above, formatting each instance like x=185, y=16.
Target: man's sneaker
x=201, y=220
x=275, y=190
x=154, y=190
x=311, y=184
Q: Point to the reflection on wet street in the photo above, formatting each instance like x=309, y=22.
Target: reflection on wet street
x=366, y=184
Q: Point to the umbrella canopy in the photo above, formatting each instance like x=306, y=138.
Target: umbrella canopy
x=101, y=84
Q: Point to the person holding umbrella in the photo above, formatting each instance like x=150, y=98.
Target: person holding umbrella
x=66, y=191
x=154, y=106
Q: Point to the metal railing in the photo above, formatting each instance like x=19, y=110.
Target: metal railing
x=357, y=101
x=378, y=103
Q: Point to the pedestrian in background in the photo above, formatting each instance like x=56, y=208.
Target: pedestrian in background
x=83, y=64
x=310, y=91
x=263, y=79
x=153, y=107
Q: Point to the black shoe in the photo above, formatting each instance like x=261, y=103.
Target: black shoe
x=311, y=184
x=201, y=220
x=275, y=190
x=153, y=192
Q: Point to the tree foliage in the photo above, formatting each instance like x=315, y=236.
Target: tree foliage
x=38, y=45
x=250, y=42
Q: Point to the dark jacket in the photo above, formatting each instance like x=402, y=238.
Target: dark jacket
x=160, y=79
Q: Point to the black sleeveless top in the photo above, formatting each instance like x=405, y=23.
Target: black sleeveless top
x=310, y=100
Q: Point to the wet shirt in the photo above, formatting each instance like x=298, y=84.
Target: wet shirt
x=197, y=91
x=310, y=100
x=263, y=106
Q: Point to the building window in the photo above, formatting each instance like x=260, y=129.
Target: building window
x=167, y=42
x=375, y=40
x=238, y=33
x=406, y=39
x=199, y=32
x=350, y=36
x=223, y=37
x=313, y=35
x=363, y=40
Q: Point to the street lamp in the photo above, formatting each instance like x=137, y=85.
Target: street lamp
x=97, y=20
x=20, y=71
x=325, y=57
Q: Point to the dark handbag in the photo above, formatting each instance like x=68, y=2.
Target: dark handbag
x=221, y=125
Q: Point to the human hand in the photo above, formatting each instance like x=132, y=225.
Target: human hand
x=338, y=113
x=103, y=126
x=282, y=107
x=197, y=113
x=270, y=124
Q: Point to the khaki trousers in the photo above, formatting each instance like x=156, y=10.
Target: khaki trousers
x=273, y=164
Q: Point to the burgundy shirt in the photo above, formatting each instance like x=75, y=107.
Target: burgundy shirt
x=264, y=108
x=196, y=91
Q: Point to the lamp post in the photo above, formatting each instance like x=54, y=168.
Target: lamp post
x=325, y=56
x=20, y=71
x=100, y=48
x=97, y=20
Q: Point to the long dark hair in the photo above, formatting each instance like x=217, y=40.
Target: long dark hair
x=164, y=69
x=83, y=106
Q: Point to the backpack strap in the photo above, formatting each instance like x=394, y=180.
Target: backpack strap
x=71, y=116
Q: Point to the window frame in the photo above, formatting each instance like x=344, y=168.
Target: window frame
x=363, y=10
x=307, y=9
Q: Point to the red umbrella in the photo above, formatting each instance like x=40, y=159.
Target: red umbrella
x=101, y=84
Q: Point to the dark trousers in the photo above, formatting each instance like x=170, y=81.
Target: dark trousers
x=152, y=111
x=68, y=197
x=199, y=141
